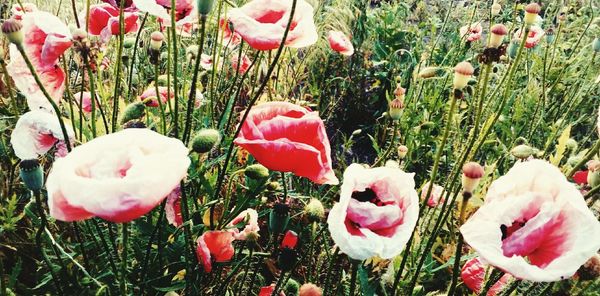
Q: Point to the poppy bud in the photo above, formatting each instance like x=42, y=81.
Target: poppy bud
x=314, y=210
x=513, y=48
x=32, y=174
x=593, y=177
x=571, y=144
x=205, y=140
x=402, y=151
x=590, y=270
x=216, y=216
x=356, y=132
x=531, y=12
x=292, y=287
x=12, y=29
x=462, y=75
x=162, y=80
x=429, y=72
x=472, y=173
x=498, y=32
x=399, y=92
x=156, y=40
x=562, y=16
x=133, y=111
x=496, y=7
x=396, y=107
x=191, y=51
x=128, y=42
x=279, y=217
x=596, y=44
x=257, y=172
x=205, y=6
x=522, y=151
x=310, y=289
x=550, y=36
x=273, y=186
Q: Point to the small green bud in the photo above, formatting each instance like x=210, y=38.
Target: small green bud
x=133, y=111
x=257, y=172
x=31, y=174
x=205, y=140
x=129, y=42
x=572, y=144
x=596, y=44
x=205, y=6
x=314, y=210
x=279, y=217
x=430, y=72
x=292, y=287
x=522, y=151
x=513, y=49
x=273, y=186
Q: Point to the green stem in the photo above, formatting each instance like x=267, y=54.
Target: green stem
x=175, y=76
x=118, y=68
x=192, y=95
x=461, y=220
x=391, y=147
x=38, y=239
x=353, y=274
x=123, y=280
x=161, y=107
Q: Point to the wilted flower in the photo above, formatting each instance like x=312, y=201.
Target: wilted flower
x=214, y=245
x=436, y=197
x=533, y=38
x=471, y=32
x=85, y=99
x=150, y=99
x=37, y=132
x=376, y=214
x=249, y=219
x=473, y=275
x=173, y=207
x=118, y=177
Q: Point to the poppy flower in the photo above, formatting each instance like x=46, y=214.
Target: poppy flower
x=310, y=289
x=473, y=275
x=46, y=39
x=534, y=224
x=533, y=38
x=214, y=245
x=471, y=32
x=117, y=177
x=288, y=138
x=36, y=132
x=150, y=98
x=128, y=5
x=340, y=43
x=436, y=197
x=262, y=23
x=290, y=240
x=173, y=208
x=86, y=101
x=206, y=62
x=269, y=290
x=245, y=63
x=104, y=21
x=376, y=214
x=580, y=177
x=18, y=11
x=249, y=219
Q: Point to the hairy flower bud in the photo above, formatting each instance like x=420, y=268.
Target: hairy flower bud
x=205, y=140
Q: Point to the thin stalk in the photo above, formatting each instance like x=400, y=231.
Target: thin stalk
x=459, y=244
x=123, y=280
x=192, y=95
x=173, y=36
x=118, y=67
x=353, y=274
x=391, y=147
x=161, y=107
x=134, y=55
x=38, y=239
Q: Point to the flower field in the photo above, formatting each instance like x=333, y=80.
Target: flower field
x=299, y=147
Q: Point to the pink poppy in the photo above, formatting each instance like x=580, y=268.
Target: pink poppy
x=580, y=177
x=37, y=132
x=214, y=245
x=149, y=96
x=310, y=289
x=290, y=240
x=436, y=197
x=245, y=63
x=249, y=219
x=46, y=39
x=161, y=9
x=471, y=32
x=262, y=23
x=104, y=21
x=117, y=177
x=340, y=43
x=535, y=35
x=173, y=208
x=18, y=11
x=206, y=62
x=376, y=214
x=230, y=38
x=288, y=138
x=269, y=290
x=534, y=224
x=86, y=101
x=473, y=275
x=128, y=5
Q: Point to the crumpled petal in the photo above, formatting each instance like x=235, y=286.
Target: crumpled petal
x=380, y=226
x=149, y=95
x=173, y=208
x=473, y=275
x=118, y=177
x=535, y=35
x=340, y=43
x=250, y=218
x=214, y=245
x=471, y=32
x=36, y=132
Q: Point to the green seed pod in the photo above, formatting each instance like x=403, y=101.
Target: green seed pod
x=205, y=140
x=205, y=6
x=513, y=48
x=31, y=174
x=596, y=44
x=128, y=42
x=257, y=172
x=291, y=288
x=572, y=144
x=279, y=217
x=133, y=111
x=522, y=151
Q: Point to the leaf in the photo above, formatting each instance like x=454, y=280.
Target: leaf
x=366, y=287
x=561, y=147
x=375, y=145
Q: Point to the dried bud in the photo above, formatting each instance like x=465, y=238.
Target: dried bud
x=205, y=140
x=402, y=151
x=257, y=172
x=396, y=107
x=462, y=75
x=12, y=29
x=156, y=40
x=472, y=173
x=314, y=210
x=498, y=31
x=496, y=7
x=531, y=12
x=31, y=174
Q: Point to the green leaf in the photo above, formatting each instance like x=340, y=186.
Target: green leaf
x=561, y=147
x=367, y=288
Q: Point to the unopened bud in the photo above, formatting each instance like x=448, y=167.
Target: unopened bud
x=314, y=210
x=402, y=151
x=133, y=111
x=472, y=173
x=31, y=174
x=496, y=7
x=522, y=151
x=257, y=172
x=205, y=140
